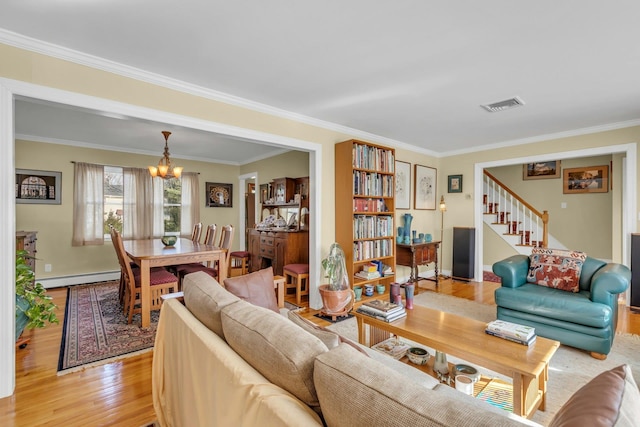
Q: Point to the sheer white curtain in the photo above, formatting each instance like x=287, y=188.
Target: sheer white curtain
x=190, y=213
x=158, y=207
x=88, y=205
x=138, y=213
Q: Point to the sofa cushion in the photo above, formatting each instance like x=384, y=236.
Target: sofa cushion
x=357, y=391
x=610, y=399
x=556, y=268
x=256, y=288
x=554, y=304
x=275, y=347
x=205, y=298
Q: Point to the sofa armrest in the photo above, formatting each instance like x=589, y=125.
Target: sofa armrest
x=513, y=270
x=608, y=282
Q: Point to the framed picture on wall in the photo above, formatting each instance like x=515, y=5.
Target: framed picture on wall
x=541, y=170
x=589, y=179
x=38, y=187
x=424, y=188
x=455, y=184
x=403, y=185
x=219, y=195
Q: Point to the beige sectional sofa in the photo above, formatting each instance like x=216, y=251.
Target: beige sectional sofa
x=222, y=361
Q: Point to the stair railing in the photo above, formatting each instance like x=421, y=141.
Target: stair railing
x=520, y=217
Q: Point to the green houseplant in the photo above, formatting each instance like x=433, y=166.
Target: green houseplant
x=34, y=308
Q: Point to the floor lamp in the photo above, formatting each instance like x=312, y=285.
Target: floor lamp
x=443, y=209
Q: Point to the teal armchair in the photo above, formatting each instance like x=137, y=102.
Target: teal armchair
x=586, y=319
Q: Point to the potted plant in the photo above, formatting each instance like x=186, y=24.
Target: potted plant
x=34, y=308
x=337, y=296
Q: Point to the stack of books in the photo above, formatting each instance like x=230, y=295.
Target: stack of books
x=521, y=334
x=392, y=347
x=369, y=272
x=382, y=310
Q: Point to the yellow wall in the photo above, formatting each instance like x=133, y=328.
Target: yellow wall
x=39, y=69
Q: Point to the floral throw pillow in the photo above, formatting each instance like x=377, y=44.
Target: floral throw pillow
x=556, y=268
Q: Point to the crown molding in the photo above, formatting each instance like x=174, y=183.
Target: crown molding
x=45, y=48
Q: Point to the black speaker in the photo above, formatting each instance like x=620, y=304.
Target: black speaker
x=464, y=247
x=635, y=271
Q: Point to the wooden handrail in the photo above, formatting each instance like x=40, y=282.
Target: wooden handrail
x=544, y=215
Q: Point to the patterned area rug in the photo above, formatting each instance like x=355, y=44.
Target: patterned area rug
x=569, y=369
x=488, y=276
x=96, y=332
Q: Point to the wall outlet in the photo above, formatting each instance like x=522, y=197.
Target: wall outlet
x=47, y=268
x=563, y=205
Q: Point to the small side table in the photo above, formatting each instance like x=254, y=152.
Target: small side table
x=417, y=254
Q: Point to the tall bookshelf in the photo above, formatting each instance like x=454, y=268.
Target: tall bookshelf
x=365, y=204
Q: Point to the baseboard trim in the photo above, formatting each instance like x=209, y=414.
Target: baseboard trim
x=57, y=282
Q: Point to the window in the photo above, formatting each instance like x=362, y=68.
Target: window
x=128, y=199
x=113, y=198
x=172, y=206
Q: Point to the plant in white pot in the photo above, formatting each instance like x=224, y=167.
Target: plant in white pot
x=34, y=308
x=337, y=296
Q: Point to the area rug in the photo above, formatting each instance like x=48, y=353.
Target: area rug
x=569, y=370
x=488, y=276
x=95, y=330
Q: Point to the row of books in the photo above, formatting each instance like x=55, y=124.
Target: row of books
x=368, y=157
x=372, y=184
x=521, y=334
x=369, y=205
x=370, y=226
x=372, y=249
x=382, y=310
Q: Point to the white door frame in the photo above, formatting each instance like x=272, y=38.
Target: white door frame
x=629, y=196
x=12, y=89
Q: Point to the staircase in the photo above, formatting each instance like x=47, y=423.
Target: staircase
x=517, y=222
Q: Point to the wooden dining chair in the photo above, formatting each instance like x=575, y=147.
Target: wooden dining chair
x=226, y=238
x=161, y=282
x=209, y=238
x=197, y=232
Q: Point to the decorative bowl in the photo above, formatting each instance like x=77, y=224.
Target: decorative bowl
x=169, y=240
x=418, y=356
x=466, y=370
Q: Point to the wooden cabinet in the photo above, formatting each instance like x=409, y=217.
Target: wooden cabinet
x=365, y=226
x=417, y=254
x=26, y=241
x=277, y=249
x=283, y=190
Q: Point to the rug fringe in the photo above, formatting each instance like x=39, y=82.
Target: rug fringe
x=104, y=361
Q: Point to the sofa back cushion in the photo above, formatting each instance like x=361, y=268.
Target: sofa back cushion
x=556, y=268
x=275, y=347
x=256, y=288
x=205, y=298
x=359, y=391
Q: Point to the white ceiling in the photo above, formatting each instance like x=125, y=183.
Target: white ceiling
x=408, y=71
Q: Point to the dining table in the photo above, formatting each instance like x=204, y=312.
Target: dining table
x=148, y=253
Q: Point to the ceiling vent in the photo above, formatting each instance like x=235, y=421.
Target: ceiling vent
x=503, y=105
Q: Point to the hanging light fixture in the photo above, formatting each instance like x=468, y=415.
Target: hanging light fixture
x=164, y=169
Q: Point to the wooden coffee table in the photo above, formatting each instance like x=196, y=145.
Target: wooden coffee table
x=527, y=366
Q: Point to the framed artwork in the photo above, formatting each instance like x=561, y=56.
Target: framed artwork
x=219, y=195
x=424, y=196
x=590, y=179
x=455, y=184
x=38, y=187
x=541, y=170
x=403, y=185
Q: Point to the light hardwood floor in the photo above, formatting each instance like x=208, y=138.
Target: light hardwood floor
x=120, y=393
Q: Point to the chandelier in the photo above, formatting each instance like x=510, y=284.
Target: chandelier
x=164, y=169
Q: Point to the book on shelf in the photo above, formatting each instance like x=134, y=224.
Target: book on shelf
x=386, y=318
x=527, y=342
x=392, y=347
x=513, y=330
x=368, y=275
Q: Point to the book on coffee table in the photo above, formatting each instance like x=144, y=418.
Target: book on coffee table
x=513, y=330
x=383, y=306
x=529, y=341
